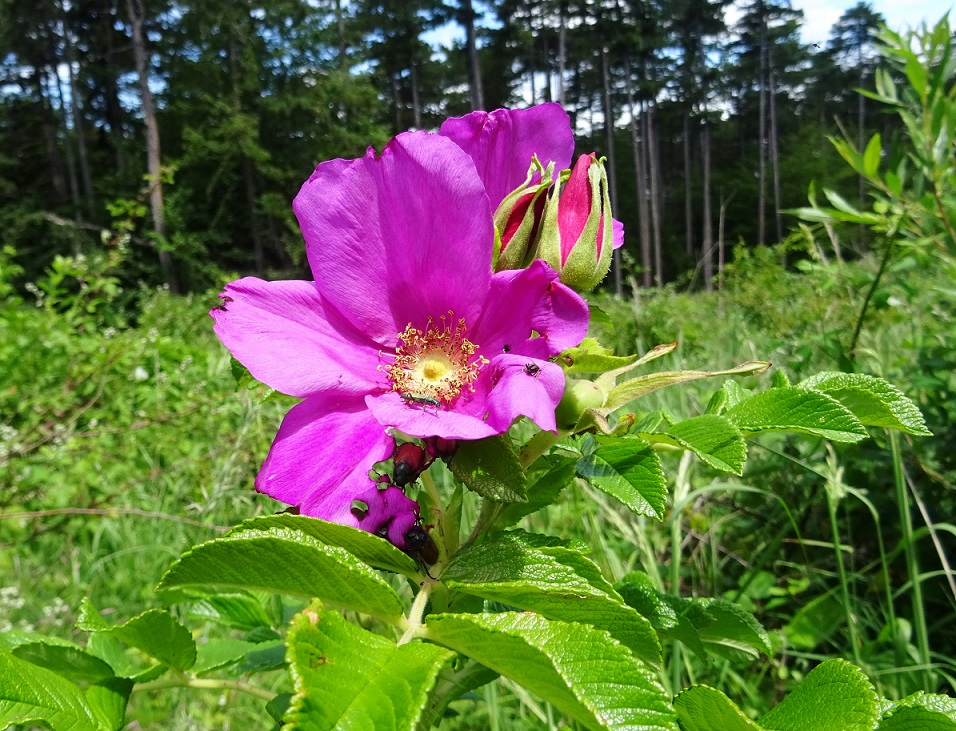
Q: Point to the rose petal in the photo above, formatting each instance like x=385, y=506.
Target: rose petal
x=502, y=142
x=389, y=507
x=530, y=299
x=401, y=237
x=293, y=341
x=463, y=422
x=617, y=233
x=524, y=387
x=321, y=457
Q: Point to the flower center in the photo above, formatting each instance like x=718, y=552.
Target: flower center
x=434, y=364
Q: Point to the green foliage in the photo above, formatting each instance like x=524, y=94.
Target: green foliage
x=385, y=686
x=389, y=641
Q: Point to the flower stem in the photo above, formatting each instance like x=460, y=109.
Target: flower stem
x=186, y=681
x=416, y=613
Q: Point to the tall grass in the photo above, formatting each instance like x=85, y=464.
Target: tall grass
x=122, y=446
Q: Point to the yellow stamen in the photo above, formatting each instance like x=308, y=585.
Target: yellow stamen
x=435, y=363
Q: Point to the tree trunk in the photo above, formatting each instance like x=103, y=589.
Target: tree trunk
x=340, y=30
x=762, y=134
x=611, y=163
x=562, y=47
x=248, y=172
x=688, y=191
x=67, y=145
x=721, y=245
x=416, y=103
x=137, y=13
x=114, y=109
x=707, y=242
x=653, y=159
x=396, y=103
x=640, y=185
x=77, y=112
x=476, y=95
x=775, y=158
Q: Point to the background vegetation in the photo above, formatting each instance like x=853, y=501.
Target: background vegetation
x=124, y=438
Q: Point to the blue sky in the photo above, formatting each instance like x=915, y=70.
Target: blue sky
x=820, y=15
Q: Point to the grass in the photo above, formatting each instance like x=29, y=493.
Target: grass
x=128, y=444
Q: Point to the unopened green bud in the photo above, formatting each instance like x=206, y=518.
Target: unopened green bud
x=518, y=219
x=578, y=396
x=577, y=234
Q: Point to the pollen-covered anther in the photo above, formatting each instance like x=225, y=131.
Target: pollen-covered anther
x=437, y=362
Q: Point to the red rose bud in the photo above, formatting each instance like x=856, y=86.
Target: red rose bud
x=577, y=234
x=518, y=219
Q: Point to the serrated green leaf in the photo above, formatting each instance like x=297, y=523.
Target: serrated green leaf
x=267, y=656
x=114, y=653
x=704, y=625
x=238, y=610
x=835, y=696
x=643, y=385
x=702, y=708
x=277, y=707
x=154, y=632
x=733, y=628
x=815, y=622
x=916, y=719
x=799, y=410
x=556, y=582
x=931, y=701
x=287, y=562
x=71, y=662
x=15, y=637
x=714, y=439
x=920, y=712
x=347, y=677
x=454, y=680
x=543, y=492
x=365, y=546
x=872, y=400
x=220, y=652
x=35, y=694
x=581, y=670
x=490, y=467
x=108, y=698
x=629, y=470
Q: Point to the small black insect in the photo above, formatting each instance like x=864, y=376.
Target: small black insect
x=506, y=348
x=422, y=547
x=225, y=300
x=410, y=461
x=532, y=369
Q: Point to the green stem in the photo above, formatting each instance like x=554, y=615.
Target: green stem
x=185, y=681
x=912, y=566
x=845, y=588
x=416, y=614
x=681, y=490
x=869, y=296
